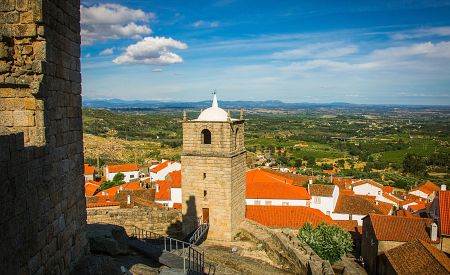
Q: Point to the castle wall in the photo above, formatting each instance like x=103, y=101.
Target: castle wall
x=43, y=216
x=158, y=220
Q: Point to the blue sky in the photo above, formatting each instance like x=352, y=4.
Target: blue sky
x=382, y=52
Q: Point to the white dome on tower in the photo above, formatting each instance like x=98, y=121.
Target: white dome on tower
x=213, y=113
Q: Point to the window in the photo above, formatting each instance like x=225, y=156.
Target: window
x=285, y=203
x=268, y=203
x=328, y=213
x=205, y=193
x=204, y=175
x=236, y=139
x=316, y=200
x=131, y=176
x=257, y=202
x=206, y=136
x=379, y=192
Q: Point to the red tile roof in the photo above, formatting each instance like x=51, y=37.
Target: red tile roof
x=262, y=185
x=346, y=192
x=418, y=257
x=343, y=183
x=427, y=187
x=321, y=190
x=400, y=229
x=285, y=216
x=265, y=176
x=404, y=213
x=159, y=167
x=388, y=189
x=90, y=188
x=359, y=205
x=102, y=204
x=112, y=192
x=177, y=205
x=444, y=212
x=417, y=207
x=88, y=169
x=175, y=178
x=295, y=179
x=368, y=181
x=391, y=197
x=163, y=193
x=349, y=225
x=122, y=168
x=330, y=172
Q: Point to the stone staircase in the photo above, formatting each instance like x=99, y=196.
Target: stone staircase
x=176, y=254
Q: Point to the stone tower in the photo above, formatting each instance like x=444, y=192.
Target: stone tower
x=213, y=172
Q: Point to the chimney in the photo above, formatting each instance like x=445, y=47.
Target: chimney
x=157, y=187
x=310, y=181
x=433, y=232
x=376, y=202
x=128, y=199
x=443, y=187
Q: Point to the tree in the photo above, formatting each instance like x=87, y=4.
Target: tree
x=414, y=164
x=117, y=180
x=311, y=161
x=330, y=242
x=341, y=163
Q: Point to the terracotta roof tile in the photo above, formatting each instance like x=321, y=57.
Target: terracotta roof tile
x=122, y=168
x=177, y=205
x=102, y=204
x=90, y=188
x=175, y=178
x=388, y=189
x=295, y=179
x=418, y=257
x=444, y=212
x=163, y=193
x=330, y=172
x=261, y=185
x=349, y=225
x=356, y=205
x=400, y=229
x=427, y=187
x=417, y=207
x=88, y=169
x=346, y=192
x=343, y=183
x=321, y=190
x=368, y=181
x=159, y=167
x=391, y=197
x=285, y=216
x=404, y=213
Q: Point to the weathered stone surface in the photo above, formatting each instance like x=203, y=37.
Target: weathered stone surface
x=96, y=265
x=142, y=269
x=107, y=239
x=43, y=209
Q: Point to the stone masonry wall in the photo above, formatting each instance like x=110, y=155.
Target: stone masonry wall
x=158, y=220
x=213, y=177
x=42, y=209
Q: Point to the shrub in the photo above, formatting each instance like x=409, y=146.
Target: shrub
x=330, y=242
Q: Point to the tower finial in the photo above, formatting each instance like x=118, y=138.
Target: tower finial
x=184, y=116
x=242, y=114
x=214, y=103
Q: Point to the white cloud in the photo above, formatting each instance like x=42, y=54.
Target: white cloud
x=201, y=23
x=153, y=51
x=318, y=50
x=112, y=21
x=108, y=51
x=422, y=32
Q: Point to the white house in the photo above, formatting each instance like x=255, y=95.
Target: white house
x=323, y=197
x=168, y=192
x=264, y=188
x=368, y=187
x=130, y=171
x=88, y=172
x=161, y=170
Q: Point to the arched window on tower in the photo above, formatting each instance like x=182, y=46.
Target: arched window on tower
x=206, y=136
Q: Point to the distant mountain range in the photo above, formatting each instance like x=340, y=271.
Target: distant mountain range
x=268, y=104
x=154, y=104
